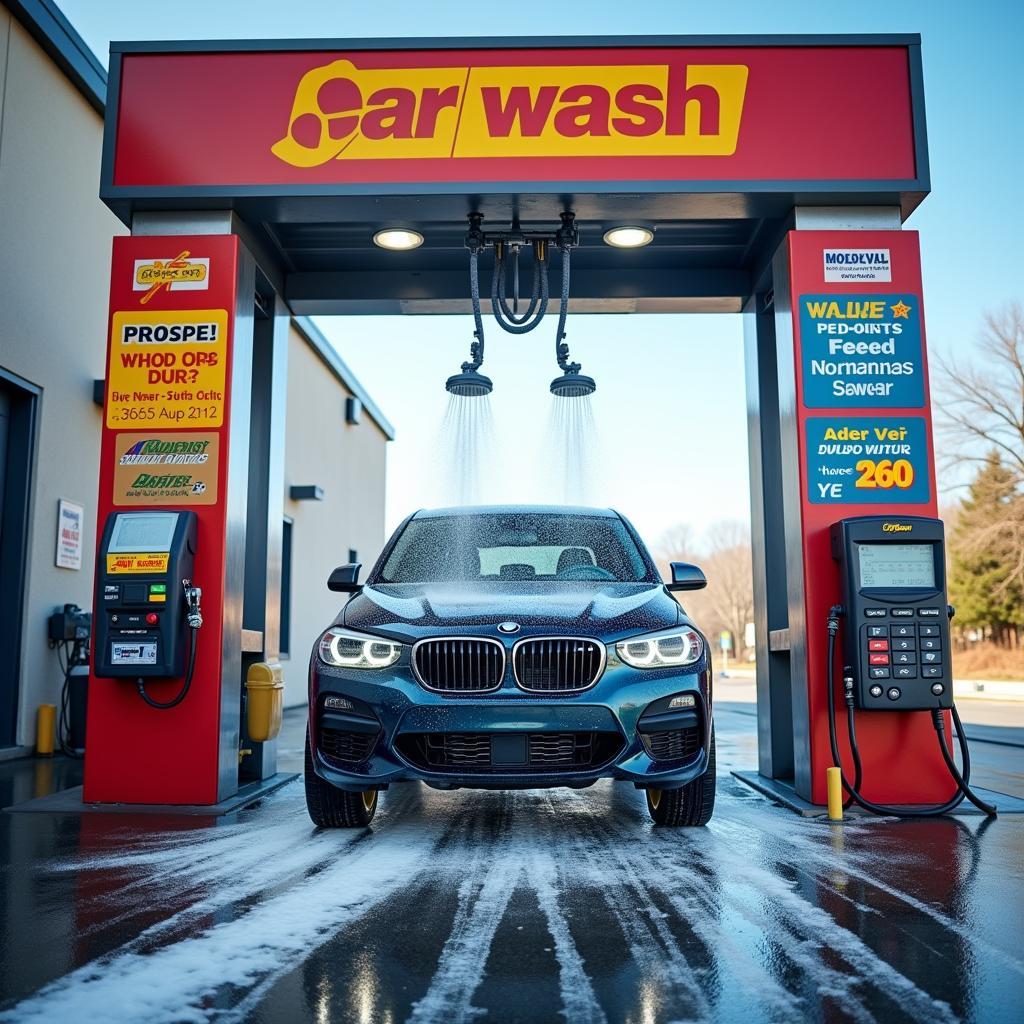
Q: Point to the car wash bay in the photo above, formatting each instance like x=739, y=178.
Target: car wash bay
x=537, y=905
x=519, y=906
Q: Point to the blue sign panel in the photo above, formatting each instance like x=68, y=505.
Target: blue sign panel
x=853, y=460
x=862, y=351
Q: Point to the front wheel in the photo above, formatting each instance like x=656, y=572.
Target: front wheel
x=692, y=804
x=334, y=808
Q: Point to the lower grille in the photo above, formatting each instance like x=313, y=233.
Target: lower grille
x=544, y=751
x=557, y=664
x=350, y=747
x=672, y=744
x=459, y=665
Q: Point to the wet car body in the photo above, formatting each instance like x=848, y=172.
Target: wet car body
x=612, y=720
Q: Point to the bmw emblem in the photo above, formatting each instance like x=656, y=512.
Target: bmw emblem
x=508, y=627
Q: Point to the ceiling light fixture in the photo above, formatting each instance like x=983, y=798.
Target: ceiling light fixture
x=629, y=236
x=398, y=239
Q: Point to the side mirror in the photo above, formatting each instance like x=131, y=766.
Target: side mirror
x=686, y=576
x=345, y=579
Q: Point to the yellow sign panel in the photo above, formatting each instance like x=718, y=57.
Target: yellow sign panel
x=119, y=565
x=175, y=468
x=341, y=112
x=167, y=368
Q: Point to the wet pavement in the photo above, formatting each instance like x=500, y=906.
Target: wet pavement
x=529, y=906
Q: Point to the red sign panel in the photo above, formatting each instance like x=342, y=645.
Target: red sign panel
x=165, y=445
x=864, y=436
x=715, y=113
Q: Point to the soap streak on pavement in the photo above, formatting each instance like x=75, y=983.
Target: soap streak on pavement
x=555, y=905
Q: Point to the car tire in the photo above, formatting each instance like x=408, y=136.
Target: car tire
x=692, y=804
x=329, y=807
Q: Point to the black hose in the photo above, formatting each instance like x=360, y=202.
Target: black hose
x=477, y=348
x=69, y=656
x=182, y=693
x=962, y=780
x=539, y=294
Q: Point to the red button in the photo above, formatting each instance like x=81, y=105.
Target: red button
x=152, y=618
x=878, y=659
x=878, y=645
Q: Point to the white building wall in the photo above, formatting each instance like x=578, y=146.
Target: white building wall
x=55, y=240
x=54, y=282
x=348, y=462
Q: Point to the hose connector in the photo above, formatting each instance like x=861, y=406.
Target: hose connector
x=193, y=596
x=835, y=613
x=848, y=686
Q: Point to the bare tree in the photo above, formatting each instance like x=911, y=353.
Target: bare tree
x=724, y=554
x=676, y=545
x=729, y=567
x=981, y=402
x=980, y=412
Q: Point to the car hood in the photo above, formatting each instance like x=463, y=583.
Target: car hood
x=608, y=611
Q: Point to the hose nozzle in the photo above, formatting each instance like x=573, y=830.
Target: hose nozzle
x=193, y=613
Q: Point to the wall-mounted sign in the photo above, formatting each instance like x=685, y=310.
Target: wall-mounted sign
x=167, y=368
x=166, y=469
x=867, y=460
x=856, y=265
x=179, y=273
x=792, y=111
x=861, y=351
x=69, y=535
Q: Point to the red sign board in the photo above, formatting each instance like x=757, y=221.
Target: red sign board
x=165, y=445
x=330, y=118
x=864, y=438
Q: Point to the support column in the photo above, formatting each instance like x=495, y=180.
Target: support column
x=188, y=274
x=822, y=398
x=261, y=614
x=771, y=614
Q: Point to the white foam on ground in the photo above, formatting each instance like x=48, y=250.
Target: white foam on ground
x=169, y=985
x=759, y=906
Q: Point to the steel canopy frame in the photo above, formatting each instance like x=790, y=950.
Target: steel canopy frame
x=724, y=244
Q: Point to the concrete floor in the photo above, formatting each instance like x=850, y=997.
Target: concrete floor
x=528, y=906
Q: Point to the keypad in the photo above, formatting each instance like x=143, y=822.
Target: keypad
x=903, y=648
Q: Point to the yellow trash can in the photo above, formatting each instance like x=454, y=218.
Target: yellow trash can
x=264, y=687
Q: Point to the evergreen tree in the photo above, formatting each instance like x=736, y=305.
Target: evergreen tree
x=986, y=552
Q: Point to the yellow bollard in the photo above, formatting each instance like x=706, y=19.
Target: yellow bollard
x=44, y=729
x=834, y=783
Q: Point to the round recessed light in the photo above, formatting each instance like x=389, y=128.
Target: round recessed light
x=629, y=237
x=398, y=239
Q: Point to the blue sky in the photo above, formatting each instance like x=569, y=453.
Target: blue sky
x=672, y=442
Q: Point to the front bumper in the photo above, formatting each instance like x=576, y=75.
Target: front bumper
x=397, y=730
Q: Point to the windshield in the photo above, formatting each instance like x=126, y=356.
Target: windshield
x=517, y=546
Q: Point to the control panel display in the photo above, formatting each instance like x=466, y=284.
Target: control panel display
x=896, y=625
x=142, y=531
x=896, y=565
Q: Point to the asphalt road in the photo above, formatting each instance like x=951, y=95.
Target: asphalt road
x=529, y=906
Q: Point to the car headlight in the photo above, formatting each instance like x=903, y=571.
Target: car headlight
x=667, y=650
x=354, y=650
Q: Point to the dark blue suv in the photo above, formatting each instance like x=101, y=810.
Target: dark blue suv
x=506, y=647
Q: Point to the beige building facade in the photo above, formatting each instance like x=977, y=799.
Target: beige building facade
x=55, y=238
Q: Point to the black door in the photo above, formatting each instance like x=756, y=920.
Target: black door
x=18, y=406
